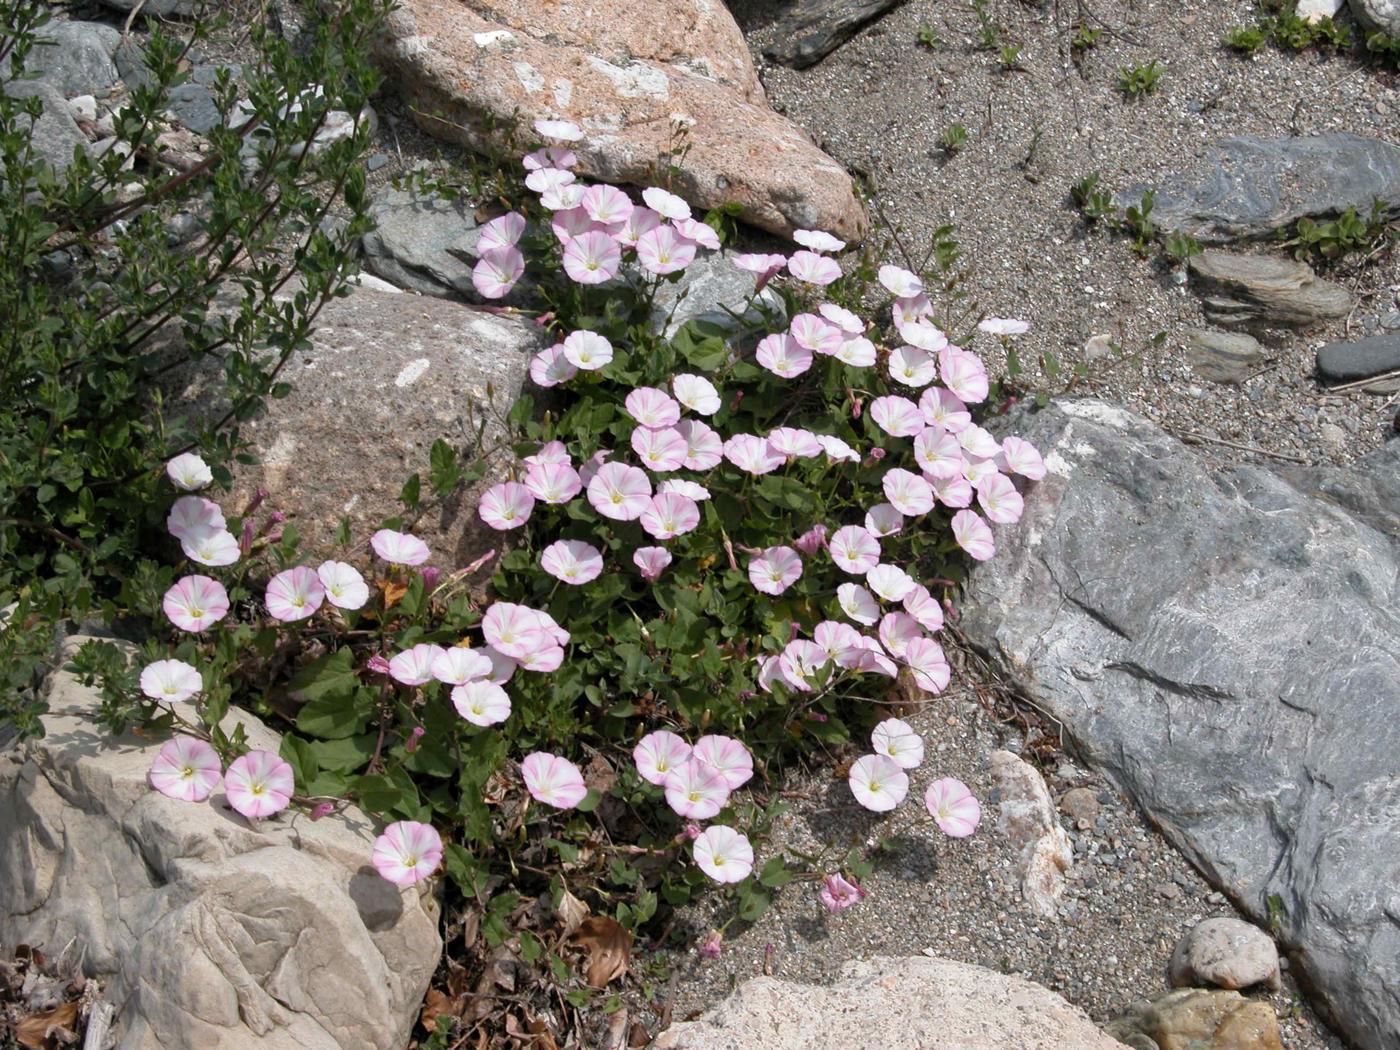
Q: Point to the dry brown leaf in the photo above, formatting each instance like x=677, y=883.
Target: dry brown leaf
x=393, y=591
x=33, y=1031
x=599, y=776
x=639, y=1036
x=609, y=945
x=572, y=911
x=435, y=1004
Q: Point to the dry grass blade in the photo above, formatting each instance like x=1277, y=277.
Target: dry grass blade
x=609, y=947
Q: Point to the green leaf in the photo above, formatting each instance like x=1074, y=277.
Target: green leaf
x=775, y=874
x=302, y=759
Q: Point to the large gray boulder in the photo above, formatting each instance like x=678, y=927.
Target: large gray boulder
x=933, y=1004
x=1251, y=187
x=54, y=134
x=424, y=243
x=1380, y=15
x=207, y=932
x=1226, y=646
x=76, y=57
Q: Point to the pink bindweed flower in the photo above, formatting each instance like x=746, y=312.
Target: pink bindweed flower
x=415, y=666
x=572, y=561
x=407, y=852
x=858, y=603
x=188, y=472
x=953, y=807
x=294, y=594
x=897, y=416
x=911, y=308
x=210, y=548
x=641, y=221
x=896, y=739
x=878, y=783
x=695, y=790
x=497, y=272
x=801, y=663
x=842, y=318
x=897, y=630
x=973, y=535
x=620, y=492
x=712, y=947
x=607, y=204
x=559, y=130
x=658, y=754
x=696, y=393
x=907, y=492
x=938, y=453
x=670, y=514
x=699, y=232
x=853, y=549
x=574, y=222
x=883, y=519
x=838, y=450
x=817, y=240
x=660, y=450
x=588, y=351
x=814, y=269
x=923, y=335
x=868, y=657
x=399, y=548
x=504, y=231
x=652, y=408
x=911, y=366
x=977, y=443
x=506, y=506
x=858, y=352
x=770, y=670
x=925, y=658
x=344, y=586
x=921, y=605
x=663, y=250
x=459, y=665
x=553, y=483
x=816, y=334
x=703, y=446
x=811, y=541
x=170, y=680
x=726, y=756
x=542, y=180
x=553, y=780
x=783, y=355
x=835, y=637
x=665, y=204
x=259, y=784
x=690, y=489
x=941, y=408
x=753, y=454
x=999, y=499
x=900, y=282
x=512, y=629
x=194, y=516
x=1003, y=326
x=551, y=367
x=978, y=470
x=186, y=768
x=691, y=832
x=838, y=893
x=652, y=562
x=551, y=452
x=890, y=582
x=763, y=267
x=195, y=602
x=593, y=257
x=481, y=703
x=723, y=854
x=795, y=442
x=963, y=374
x=775, y=570
x=1021, y=457
x=502, y=666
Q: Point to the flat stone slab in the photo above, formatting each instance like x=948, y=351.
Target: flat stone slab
x=1226, y=646
x=1265, y=289
x=1223, y=357
x=1345, y=362
x=1249, y=187
x=813, y=29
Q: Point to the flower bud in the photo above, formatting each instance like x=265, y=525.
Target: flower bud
x=713, y=945
x=378, y=664
x=430, y=575
x=411, y=744
x=323, y=809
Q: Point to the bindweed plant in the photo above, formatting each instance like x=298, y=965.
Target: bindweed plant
x=718, y=547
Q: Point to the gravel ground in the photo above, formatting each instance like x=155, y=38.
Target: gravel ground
x=1129, y=898
x=880, y=103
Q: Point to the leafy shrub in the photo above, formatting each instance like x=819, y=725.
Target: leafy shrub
x=100, y=304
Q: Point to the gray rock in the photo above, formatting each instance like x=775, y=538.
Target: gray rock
x=1252, y=187
x=1381, y=15
x=1080, y=804
x=1345, y=362
x=1225, y=952
x=385, y=376
x=206, y=931
x=166, y=8
x=1223, y=357
x=76, y=57
x=55, y=133
x=812, y=29
x=713, y=289
x=193, y=106
x=427, y=244
x=1312, y=10
x=932, y=1004
x=1225, y=645
x=1263, y=289
x=131, y=64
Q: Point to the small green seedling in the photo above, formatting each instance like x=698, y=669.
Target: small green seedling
x=1140, y=78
